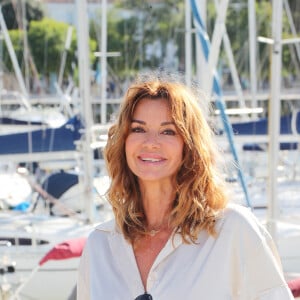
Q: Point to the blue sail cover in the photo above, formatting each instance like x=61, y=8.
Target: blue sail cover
x=11, y=121
x=260, y=127
x=51, y=139
x=58, y=183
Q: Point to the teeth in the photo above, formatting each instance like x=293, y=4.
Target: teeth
x=151, y=159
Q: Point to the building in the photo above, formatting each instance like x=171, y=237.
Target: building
x=65, y=10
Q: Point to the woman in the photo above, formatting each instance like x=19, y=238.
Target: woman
x=174, y=235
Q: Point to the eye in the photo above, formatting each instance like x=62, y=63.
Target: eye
x=169, y=132
x=137, y=129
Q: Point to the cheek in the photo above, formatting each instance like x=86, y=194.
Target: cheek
x=129, y=149
x=128, y=144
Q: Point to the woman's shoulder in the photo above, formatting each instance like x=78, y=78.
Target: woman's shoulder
x=103, y=229
x=237, y=213
x=100, y=237
x=238, y=218
x=106, y=226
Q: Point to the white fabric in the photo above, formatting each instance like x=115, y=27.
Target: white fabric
x=240, y=263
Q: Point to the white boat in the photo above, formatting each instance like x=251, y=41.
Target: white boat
x=25, y=239
x=27, y=235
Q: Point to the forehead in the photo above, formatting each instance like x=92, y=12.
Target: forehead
x=152, y=108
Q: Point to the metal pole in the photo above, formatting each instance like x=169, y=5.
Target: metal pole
x=64, y=56
x=217, y=36
x=274, y=115
x=26, y=52
x=188, y=43
x=233, y=70
x=84, y=87
x=292, y=25
x=252, y=50
x=103, y=60
x=14, y=60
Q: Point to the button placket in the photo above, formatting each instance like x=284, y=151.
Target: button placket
x=171, y=245
x=152, y=279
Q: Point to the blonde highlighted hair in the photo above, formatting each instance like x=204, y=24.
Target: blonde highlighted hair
x=200, y=189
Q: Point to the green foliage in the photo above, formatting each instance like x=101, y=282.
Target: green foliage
x=145, y=25
x=134, y=26
x=46, y=39
x=238, y=33
x=16, y=37
x=47, y=42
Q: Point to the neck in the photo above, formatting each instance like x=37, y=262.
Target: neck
x=156, y=228
x=157, y=211
x=157, y=202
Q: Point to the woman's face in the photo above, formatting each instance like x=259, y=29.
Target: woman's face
x=153, y=147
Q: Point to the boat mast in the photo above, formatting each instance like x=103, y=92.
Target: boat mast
x=188, y=43
x=84, y=87
x=14, y=60
x=274, y=115
x=218, y=33
x=64, y=57
x=294, y=33
x=252, y=51
x=103, y=60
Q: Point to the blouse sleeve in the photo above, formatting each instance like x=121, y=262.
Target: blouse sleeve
x=83, y=290
x=264, y=278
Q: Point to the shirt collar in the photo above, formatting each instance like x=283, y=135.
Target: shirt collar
x=108, y=226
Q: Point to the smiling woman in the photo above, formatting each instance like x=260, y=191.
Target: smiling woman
x=173, y=229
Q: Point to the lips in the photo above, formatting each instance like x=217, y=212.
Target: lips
x=151, y=158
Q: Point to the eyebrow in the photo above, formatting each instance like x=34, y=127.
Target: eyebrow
x=144, y=123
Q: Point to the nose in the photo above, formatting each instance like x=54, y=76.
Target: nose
x=152, y=139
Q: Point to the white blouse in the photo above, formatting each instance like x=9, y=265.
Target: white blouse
x=240, y=263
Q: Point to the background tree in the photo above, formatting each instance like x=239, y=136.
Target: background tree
x=238, y=32
x=47, y=42
x=143, y=35
x=16, y=37
x=46, y=39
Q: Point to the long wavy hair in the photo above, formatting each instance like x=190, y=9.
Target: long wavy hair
x=200, y=189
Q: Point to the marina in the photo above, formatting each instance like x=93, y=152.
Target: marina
x=52, y=174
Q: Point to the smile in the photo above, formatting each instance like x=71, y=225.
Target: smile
x=152, y=159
